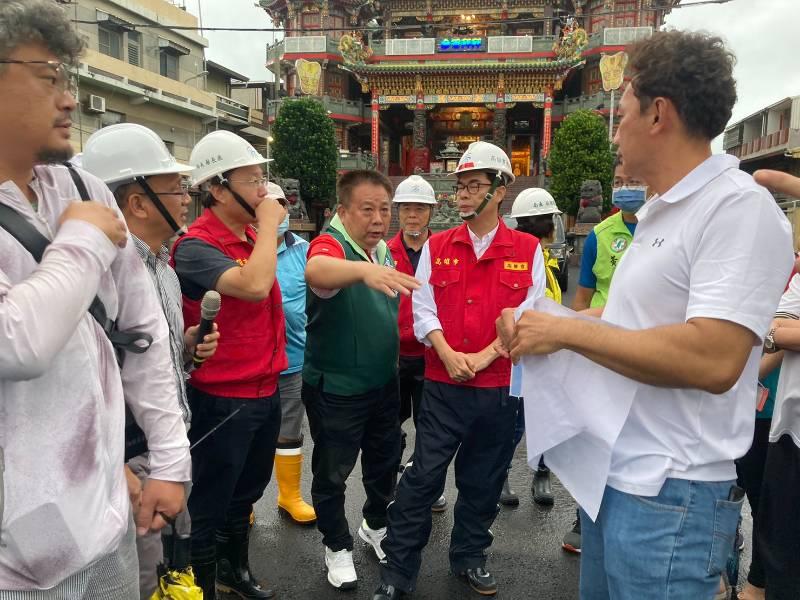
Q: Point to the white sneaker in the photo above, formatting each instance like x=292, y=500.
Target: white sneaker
x=341, y=572
x=373, y=537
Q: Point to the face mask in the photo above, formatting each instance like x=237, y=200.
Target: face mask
x=284, y=226
x=629, y=199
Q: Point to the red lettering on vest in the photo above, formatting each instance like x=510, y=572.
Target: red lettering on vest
x=470, y=293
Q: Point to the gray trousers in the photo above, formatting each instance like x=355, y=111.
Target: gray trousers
x=113, y=576
x=149, y=548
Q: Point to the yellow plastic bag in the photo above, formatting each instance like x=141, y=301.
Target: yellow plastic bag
x=177, y=585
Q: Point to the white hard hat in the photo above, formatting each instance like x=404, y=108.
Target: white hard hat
x=414, y=189
x=121, y=152
x=483, y=156
x=219, y=152
x=532, y=202
x=273, y=189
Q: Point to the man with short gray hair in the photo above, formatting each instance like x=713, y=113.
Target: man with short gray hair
x=65, y=518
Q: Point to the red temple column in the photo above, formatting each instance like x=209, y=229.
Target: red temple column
x=375, y=148
x=548, y=121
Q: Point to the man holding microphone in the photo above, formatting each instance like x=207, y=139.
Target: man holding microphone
x=238, y=387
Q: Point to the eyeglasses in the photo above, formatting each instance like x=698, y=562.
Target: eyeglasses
x=184, y=190
x=473, y=187
x=63, y=81
x=253, y=183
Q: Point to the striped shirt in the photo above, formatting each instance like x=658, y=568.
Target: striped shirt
x=168, y=290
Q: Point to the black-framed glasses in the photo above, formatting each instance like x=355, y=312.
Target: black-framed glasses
x=64, y=80
x=473, y=187
x=185, y=187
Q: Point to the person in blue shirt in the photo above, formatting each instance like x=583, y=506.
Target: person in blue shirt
x=292, y=251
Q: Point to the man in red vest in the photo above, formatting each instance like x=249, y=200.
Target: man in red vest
x=468, y=275
x=236, y=389
x=415, y=200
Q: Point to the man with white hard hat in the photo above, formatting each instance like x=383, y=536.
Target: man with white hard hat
x=467, y=276
x=149, y=187
x=415, y=200
x=239, y=384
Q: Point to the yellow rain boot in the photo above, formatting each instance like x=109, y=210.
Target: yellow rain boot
x=287, y=471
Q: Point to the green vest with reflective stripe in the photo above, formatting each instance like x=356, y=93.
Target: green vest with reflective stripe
x=352, y=339
x=613, y=239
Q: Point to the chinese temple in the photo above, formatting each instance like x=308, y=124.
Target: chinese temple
x=409, y=81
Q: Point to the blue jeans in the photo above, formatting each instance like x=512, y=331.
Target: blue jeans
x=673, y=546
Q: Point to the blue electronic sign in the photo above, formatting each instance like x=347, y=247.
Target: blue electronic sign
x=459, y=44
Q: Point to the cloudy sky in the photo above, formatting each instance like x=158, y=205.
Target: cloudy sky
x=760, y=32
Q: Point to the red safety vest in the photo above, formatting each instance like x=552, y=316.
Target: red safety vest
x=252, y=344
x=470, y=293
x=409, y=346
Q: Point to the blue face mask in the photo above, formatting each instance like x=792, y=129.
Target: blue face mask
x=284, y=226
x=629, y=199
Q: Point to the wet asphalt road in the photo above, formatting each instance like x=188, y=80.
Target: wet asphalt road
x=526, y=556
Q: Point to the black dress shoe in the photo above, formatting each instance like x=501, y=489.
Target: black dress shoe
x=387, y=592
x=480, y=580
x=542, y=491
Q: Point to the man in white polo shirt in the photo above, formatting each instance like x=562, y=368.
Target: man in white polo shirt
x=688, y=309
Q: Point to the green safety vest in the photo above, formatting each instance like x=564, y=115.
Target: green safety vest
x=613, y=239
x=352, y=339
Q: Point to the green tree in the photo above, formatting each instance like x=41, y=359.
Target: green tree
x=305, y=149
x=580, y=151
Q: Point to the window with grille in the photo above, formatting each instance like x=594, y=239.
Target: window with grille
x=169, y=65
x=134, y=48
x=111, y=117
x=110, y=41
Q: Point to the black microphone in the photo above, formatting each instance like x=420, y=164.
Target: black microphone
x=209, y=308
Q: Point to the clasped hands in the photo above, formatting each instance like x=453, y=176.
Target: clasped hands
x=534, y=333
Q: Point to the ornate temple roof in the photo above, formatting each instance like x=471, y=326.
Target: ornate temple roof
x=452, y=66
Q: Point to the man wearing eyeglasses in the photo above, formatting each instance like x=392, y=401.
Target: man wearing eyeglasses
x=467, y=276
x=65, y=529
x=152, y=193
x=234, y=395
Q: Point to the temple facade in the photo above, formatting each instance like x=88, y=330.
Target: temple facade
x=408, y=81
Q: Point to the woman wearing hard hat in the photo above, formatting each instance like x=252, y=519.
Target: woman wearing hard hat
x=468, y=275
x=222, y=252
x=533, y=210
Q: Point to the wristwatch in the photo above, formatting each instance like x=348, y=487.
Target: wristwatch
x=769, y=341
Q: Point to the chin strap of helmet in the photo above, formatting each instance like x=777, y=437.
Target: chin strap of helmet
x=496, y=183
x=142, y=181
x=242, y=202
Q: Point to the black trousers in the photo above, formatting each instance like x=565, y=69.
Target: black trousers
x=341, y=426
x=231, y=467
x=478, y=425
x=778, y=521
x=411, y=380
x=750, y=476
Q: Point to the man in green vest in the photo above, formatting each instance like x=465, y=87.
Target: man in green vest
x=607, y=242
x=350, y=384
x=605, y=245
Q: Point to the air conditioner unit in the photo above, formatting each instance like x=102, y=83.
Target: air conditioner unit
x=97, y=104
